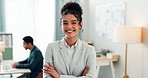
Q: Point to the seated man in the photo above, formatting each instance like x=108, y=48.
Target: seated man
x=35, y=60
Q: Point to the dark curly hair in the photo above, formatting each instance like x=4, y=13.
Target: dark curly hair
x=72, y=8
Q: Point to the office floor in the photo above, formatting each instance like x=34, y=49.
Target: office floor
x=8, y=76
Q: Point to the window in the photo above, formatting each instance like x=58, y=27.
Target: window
x=30, y=17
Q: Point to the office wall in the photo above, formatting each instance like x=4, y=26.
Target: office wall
x=137, y=15
x=2, y=16
x=30, y=17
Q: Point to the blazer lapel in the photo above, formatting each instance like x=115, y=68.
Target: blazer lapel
x=76, y=56
x=64, y=54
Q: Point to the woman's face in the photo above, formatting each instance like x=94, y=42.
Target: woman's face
x=70, y=26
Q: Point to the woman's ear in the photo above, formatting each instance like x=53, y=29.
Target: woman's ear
x=80, y=25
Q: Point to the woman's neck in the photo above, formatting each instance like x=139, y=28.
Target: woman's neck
x=71, y=41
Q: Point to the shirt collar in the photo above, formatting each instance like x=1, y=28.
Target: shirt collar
x=73, y=46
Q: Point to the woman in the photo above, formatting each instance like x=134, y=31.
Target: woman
x=70, y=57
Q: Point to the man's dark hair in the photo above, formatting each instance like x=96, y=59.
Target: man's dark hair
x=28, y=39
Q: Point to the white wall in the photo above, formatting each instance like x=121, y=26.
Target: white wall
x=30, y=17
x=137, y=15
x=84, y=4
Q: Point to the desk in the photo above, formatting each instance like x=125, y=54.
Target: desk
x=6, y=68
x=104, y=61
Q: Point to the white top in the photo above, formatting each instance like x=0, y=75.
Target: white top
x=70, y=50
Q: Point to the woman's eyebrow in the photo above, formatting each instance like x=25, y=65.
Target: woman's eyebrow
x=71, y=20
x=74, y=20
x=64, y=21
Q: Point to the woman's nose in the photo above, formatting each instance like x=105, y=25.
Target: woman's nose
x=69, y=26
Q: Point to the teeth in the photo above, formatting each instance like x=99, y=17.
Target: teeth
x=69, y=31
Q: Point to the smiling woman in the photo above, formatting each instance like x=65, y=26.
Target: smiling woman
x=30, y=17
x=70, y=57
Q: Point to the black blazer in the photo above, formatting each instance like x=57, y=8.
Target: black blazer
x=34, y=62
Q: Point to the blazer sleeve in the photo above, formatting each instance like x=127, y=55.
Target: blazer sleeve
x=48, y=58
x=91, y=62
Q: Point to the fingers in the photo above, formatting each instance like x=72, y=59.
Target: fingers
x=87, y=68
x=48, y=68
x=50, y=64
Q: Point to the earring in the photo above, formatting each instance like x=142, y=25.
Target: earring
x=79, y=27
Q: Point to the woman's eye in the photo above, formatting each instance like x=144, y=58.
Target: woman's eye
x=65, y=23
x=73, y=22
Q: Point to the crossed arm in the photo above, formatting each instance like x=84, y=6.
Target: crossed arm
x=51, y=72
x=49, y=69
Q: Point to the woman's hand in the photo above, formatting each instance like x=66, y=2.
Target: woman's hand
x=50, y=70
x=85, y=71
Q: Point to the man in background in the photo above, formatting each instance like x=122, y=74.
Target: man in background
x=35, y=60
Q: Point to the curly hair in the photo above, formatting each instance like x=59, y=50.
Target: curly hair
x=72, y=8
